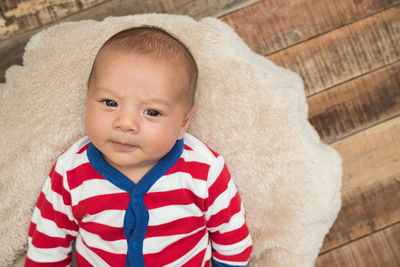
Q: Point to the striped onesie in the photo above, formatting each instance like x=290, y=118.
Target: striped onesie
x=185, y=211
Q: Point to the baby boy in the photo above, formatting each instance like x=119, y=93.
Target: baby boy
x=138, y=190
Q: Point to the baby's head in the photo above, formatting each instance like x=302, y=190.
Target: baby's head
x=157, y=43
x=140, y=97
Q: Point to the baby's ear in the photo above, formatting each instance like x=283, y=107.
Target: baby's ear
x=186, y=121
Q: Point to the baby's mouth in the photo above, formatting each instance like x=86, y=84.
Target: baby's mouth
x=122, y=146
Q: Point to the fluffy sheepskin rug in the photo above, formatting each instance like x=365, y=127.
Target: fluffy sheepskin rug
x=251, y=111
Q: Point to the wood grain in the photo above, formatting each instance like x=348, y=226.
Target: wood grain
x=273, y=25
x=380, y=249
x=365, y=211
x=371, y=183
x=345, y=53
x=11, y=49
x=357, y=104
x=19, y=16
x=196, y=9
x=370, y=156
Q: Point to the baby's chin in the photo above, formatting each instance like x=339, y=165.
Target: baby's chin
x=124, y=163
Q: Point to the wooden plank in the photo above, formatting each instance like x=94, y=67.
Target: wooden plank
x=11, y=49
x=355, y=105
x=380, y=249
x=371, y=182
x=272, y=25
x=194, y=8
x=24, y=15
x=370, y=156
x=345, y=53
x=392, y=235
x=365, y=211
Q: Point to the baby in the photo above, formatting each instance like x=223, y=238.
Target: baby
x=139, y=190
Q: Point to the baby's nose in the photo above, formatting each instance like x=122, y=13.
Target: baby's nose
x=127, y=122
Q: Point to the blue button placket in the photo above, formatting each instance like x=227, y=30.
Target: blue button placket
x=136, y=216
x=135, y=227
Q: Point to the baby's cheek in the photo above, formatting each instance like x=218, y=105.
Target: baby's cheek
x=162, y=142
x=95, y=125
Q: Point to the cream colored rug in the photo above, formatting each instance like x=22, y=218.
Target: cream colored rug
x=251, y=111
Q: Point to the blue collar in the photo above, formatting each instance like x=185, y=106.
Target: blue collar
x=98, y=162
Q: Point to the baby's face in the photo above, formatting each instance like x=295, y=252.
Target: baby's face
x=134, y=109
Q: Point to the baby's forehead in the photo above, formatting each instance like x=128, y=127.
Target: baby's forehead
x=103, y=62
x=184, y=89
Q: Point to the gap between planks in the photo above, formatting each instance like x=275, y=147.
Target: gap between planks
x=357, y=239
x=354, y=78
x=338, y=28
x=274, y=25
x=341, y=55
x=379, y=249
x=355, y=105
x=370, y=184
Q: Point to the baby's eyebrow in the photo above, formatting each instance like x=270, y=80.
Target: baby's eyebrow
x=159, y=101
x=108, y=92
x=104, y=89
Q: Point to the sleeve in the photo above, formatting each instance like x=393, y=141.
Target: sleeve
x=226, y=224
x=52, y=227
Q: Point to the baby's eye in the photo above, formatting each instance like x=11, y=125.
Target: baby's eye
x=152, y=113
x=109, y=103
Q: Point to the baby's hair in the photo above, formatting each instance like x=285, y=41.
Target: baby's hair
x=158, y=42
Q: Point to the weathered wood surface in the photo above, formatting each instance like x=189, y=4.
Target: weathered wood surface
x=348, y=53
x=22, y=15
x=381, y=249
x=11, y=49
x=370, y=155
x=272, y=25
x=364, y=212
x=371, y=183
x=345, y=53
x=355, y=105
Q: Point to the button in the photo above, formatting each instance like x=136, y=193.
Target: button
x=137, y=200
x=134, y=246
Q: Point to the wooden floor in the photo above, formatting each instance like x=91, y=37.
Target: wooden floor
x=348, y=53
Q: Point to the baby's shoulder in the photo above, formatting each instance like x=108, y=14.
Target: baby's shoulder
x=75, y=154
x=196, y=150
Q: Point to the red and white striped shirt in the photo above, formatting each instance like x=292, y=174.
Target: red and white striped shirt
x=185, y=211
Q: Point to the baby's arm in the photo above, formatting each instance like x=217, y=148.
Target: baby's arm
x=53, y=227
x=231, y=241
